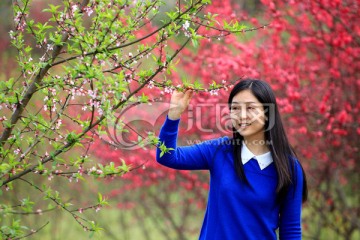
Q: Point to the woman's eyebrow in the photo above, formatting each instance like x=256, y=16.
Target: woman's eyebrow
x=244, y=102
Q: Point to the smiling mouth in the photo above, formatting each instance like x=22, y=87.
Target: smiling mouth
x=244, y=125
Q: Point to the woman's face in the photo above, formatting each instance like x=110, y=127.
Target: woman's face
x=248, y=116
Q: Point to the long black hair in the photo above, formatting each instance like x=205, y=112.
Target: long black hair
x=282, y=153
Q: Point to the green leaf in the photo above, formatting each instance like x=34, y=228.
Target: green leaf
x=53, y=9
x=164, y=149
x=4, y=168
x=28, y=49
x=100, y=198
x=143, y=98
x=195, y=42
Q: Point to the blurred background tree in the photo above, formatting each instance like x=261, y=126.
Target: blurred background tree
x=309, y=54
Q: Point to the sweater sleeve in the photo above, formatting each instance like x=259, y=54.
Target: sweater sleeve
x=290, y=212
x=195, y=157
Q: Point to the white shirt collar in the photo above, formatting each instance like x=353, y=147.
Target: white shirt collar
x=263, y=160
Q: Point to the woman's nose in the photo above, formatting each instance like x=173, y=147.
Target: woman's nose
x=240, y=113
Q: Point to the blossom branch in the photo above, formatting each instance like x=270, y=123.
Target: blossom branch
x=33, y=87
x=130, y=43
x=77, y=218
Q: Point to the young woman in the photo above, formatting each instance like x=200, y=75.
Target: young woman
x=257, y=185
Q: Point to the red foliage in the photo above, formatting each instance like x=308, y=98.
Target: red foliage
x=310, y=55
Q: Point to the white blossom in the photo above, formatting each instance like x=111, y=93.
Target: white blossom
x=58, y=124
x=123, y=96
x=93, y=169
x=151, y=85
x=39, y=211
x=74, y=8
x=92, y=94
x=214, y=92
x=186, y=25
x=12, y=33
x=168, y=90
x=50, y=47
x=88, y=10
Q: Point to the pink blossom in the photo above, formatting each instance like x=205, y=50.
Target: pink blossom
x=58, y=124
x=39, y=211
x=88, y=10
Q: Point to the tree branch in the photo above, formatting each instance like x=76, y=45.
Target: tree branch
x=126, y=44
x=70, y=144
x=33, y=87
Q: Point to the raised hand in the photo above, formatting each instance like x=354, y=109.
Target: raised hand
x=178, y=103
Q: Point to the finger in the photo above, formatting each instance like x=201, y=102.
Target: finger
x=189, y=93
x=175, y=92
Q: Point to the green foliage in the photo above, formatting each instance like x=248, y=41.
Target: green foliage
x=75, y=70
x=13, y=230
x=164, y=149
x=234, y=26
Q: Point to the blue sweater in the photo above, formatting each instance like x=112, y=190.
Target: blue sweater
x=236, y=210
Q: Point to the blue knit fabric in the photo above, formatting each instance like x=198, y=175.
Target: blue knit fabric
x=236, y=210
